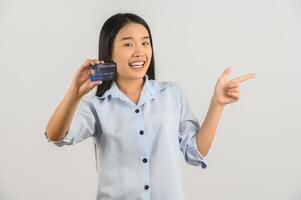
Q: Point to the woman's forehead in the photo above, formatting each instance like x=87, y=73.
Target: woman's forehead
x=133, y=30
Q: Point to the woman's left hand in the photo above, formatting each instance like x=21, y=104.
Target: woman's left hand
x=227, y=91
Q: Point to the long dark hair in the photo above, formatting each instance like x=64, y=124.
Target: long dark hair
x=108, y=33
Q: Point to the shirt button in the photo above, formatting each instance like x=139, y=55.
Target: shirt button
x=146, y=187
x=141, y=132
x=137, y=110
x=144, y=160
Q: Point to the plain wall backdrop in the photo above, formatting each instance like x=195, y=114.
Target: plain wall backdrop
x=256, y=150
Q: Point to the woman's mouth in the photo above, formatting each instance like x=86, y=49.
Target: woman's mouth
x=137, y=64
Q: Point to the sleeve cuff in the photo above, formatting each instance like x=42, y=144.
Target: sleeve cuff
x=62, y=142
x=194, y=157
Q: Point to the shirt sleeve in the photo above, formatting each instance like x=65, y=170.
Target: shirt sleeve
x=189, y=126
x=83, y=125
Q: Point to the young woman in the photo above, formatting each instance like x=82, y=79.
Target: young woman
x=139, y=124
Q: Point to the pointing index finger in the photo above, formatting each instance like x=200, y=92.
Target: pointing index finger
x=245, y=77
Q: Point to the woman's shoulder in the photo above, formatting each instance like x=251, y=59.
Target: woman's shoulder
x=164, y=84
x=172, y=87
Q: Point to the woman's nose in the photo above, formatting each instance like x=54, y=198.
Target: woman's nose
x=138, y=53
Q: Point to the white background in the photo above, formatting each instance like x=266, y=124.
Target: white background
x=256, y=151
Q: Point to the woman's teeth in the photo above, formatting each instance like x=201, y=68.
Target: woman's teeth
x=137, y=64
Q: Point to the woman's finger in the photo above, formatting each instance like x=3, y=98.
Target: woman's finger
x=234, y=90
x=233, y=95
x=226, y=73
x=96, y=61
x=93, y=62
x=93, y=84
x=233, y=84
x=245, y=77
x=87, y=86
x=85, y=65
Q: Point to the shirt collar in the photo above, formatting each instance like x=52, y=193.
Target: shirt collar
x=149, y=91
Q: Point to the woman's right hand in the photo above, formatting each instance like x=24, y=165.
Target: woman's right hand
x=81, y=83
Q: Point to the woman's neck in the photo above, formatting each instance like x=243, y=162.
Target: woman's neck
x=130, y=87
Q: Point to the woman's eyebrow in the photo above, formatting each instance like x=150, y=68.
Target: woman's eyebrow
x=131, y=38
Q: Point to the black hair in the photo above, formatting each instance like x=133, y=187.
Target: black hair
x=108, y=33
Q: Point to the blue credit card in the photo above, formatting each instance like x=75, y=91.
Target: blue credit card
x=103, y=72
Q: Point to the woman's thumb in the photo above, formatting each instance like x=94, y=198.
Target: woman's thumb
x=94, y=84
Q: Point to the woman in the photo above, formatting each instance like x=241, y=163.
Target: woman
x=139, y=124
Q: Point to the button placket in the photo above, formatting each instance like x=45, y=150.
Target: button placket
x=144, y=147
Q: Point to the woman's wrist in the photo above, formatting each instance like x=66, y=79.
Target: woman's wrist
x=73, y=93
x=216, y=104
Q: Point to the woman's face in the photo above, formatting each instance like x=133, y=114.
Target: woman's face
x=132, y=51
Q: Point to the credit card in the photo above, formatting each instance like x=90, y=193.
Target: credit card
x=103, y=72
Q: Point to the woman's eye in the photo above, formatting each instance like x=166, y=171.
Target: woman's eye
x=145, y=43
x=128, y=45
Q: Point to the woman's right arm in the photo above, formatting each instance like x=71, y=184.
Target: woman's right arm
x=60, y=120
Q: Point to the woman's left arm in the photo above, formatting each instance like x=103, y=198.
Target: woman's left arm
x=225, y=92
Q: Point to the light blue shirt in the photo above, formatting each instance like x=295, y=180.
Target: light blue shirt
x=139, y=145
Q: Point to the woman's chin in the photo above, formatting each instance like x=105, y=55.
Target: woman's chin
x=132, y=76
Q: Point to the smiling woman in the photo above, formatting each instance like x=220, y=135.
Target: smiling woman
x=126, y=39
x=132, y=52
x=139, y=125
